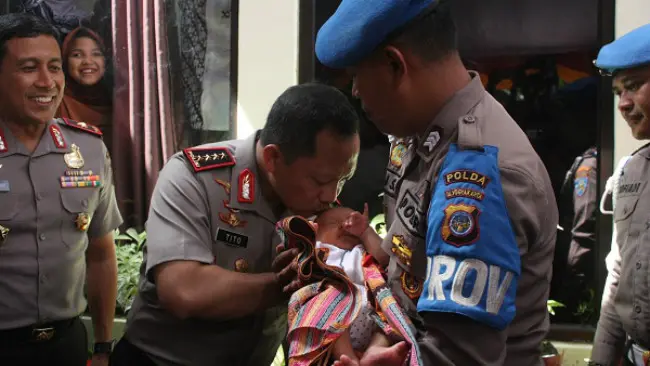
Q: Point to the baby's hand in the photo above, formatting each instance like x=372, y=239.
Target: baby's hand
x=357, y=223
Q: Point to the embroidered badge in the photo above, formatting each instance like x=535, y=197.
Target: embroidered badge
x=432, y=140
x=401, y=250
x=83, y=126
x=467, y=176
x=464, y=192
x=209, y=158
x=231, y=219
x=411, y=285
x=246, y=187
x=241, y=265
x=225, y=185
x=396, y=154
x=82, y=221
x=580, y=185
x=460, y=226
x=390, y=184
x=232, y=239
x=73, y=159
x=3, y=142
x=583, y=171
x=408, y=212
x=57, y=137
x=4, y=233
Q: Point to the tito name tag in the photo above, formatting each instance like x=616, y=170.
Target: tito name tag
x=232, y=239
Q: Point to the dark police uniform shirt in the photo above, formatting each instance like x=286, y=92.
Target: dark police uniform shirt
x=52, y=201
x=207, y=207
x=472, y=223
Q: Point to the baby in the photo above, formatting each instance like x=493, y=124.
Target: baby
x=344, y=233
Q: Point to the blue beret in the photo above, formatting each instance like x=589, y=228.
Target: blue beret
x=359, y=26
x=630, y=50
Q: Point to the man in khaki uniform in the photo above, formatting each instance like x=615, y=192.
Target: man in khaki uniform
x=623, y=328
x=57, y=210
x=471, y=212
x=211, y=291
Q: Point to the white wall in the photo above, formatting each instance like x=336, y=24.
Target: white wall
x=268, y=58
x=630, y=14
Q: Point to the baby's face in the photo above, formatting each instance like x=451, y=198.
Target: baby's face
x=331, y=231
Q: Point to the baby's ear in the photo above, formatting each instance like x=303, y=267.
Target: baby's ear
x=314, y=225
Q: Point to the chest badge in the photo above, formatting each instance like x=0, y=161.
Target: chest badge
x=232, y=220
x=397, y=154
x=224, y=184
x=4, y=233
x=241, y=265
x=73, y=159
x=411, y=285
x=401, y=250
x=246, y=187
x=82, y=221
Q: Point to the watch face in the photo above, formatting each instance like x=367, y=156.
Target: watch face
x=103, y=347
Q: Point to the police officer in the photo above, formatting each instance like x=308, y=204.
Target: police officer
x=470, y=207
x=623, y=328
x=57, y=210
x=573, y=265
x=211, y=290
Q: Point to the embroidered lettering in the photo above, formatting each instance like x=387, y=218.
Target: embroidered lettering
x=464, y=192
x=410, y=215
x=631, y=188
x=467, y=176
x=390, y=183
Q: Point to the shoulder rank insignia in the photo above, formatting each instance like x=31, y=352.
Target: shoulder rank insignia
x=83, y=126
x=208, y=158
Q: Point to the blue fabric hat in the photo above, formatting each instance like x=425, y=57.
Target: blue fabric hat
x=630, y=50
x=359, y=26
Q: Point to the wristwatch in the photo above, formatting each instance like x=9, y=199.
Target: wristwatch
x=103, y=348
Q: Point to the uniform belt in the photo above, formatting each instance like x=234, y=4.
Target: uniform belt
x=36, y=333
x=638, y=355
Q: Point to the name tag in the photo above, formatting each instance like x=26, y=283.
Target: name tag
x=232, y=239
x=4, y=186
x=630, y=189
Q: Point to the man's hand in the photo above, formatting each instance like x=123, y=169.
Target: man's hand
x=286, y=269
x=357, y=223
x=99, y=360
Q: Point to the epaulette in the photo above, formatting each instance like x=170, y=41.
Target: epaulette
x=83, y=126
x=208, y=158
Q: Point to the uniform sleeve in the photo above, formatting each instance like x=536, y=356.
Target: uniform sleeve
x=583, y=233
x=527, y=224
x=610, y=337
x=178, y=226
x=106, y=217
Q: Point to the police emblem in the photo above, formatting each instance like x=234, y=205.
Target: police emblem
x=411, y=285
x=401, y=250
x=241, y=265
x=460, y=226
x=580, y=185
x=396, y=154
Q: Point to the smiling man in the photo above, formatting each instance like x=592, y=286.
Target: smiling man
x=57, y=210
x=625, y=310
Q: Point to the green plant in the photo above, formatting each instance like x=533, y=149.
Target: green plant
x=551, y=305
x=129, y=258
x=379, y=224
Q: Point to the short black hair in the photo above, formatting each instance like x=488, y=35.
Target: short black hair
x=23, y=25
x=432, y=36
x=301, y=113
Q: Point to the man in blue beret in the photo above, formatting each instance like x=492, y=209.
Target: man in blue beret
x=470, y=208
x=623, y=327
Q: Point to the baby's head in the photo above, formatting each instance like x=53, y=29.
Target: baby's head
x=330, y=228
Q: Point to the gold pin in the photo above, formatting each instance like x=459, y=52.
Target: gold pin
x=241, y=265
x=73, y=159
x=4, y=233
x=82, y=221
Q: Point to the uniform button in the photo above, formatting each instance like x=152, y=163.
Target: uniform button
x=43, y=278
x=469, y=119
x=41, y=236
x=637, y=309
x=39, y=196
x=638, y=265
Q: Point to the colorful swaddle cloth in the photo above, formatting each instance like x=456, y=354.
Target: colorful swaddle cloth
x=321, y=311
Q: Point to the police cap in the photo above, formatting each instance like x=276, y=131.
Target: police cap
x=358, y=27
x=629, y=51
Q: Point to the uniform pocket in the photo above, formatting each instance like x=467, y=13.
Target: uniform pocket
x=625, y=206
x=8, y=206
x=76, y=216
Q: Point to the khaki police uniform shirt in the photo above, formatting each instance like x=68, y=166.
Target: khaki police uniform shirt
x=472, y=118
x=47, y=219
x=208, y=207
x=625, y=308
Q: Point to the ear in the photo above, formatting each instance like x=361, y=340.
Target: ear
x=397, y=62
x=272, y=157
